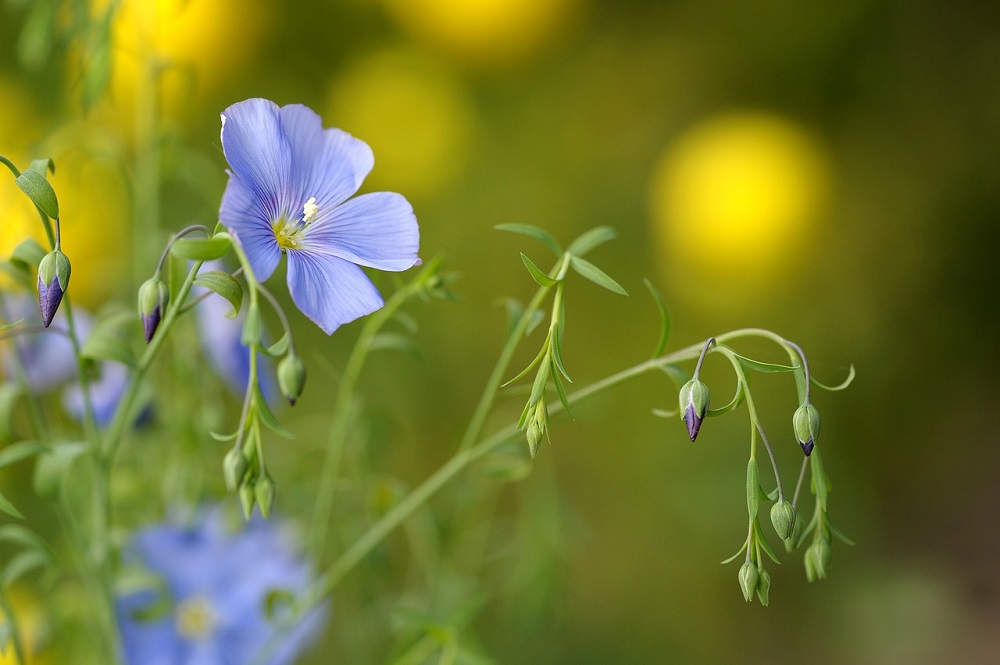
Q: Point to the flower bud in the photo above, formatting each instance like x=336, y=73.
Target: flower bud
x=783, y=519
x=763, y=587
x=291, y=377
x=247, y=497
x=694, y=399
x=817, y=560
x=53, y=279
x=234, y=467
x=153, y=297
x=805, y=422
x=536, y=426
x=264, y=493
x=748, y=580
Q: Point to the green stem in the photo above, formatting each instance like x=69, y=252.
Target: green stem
x=341, y=420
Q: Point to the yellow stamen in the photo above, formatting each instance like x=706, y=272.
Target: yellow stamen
x=195, y=618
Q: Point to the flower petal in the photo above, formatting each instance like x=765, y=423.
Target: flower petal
x=329, y=290
x=327, y=164
x=377, y=230
x=248, y=220
x=258, y=152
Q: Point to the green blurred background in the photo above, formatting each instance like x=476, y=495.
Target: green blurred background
x=825, y=170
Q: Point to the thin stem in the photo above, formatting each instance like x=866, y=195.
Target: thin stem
x=805, y=367
x=177, y=236
x=279, y=310
x=798, y=484
x=704, y=352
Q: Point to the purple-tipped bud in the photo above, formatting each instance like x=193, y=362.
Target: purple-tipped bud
x=805, y=422
x=153, y=298
x=53, y=279
x=694, y=399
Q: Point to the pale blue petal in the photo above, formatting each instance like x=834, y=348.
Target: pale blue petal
x=377, y=230
x=247, y=219
x=327, y=164
x=258, y=152
x=329, y=290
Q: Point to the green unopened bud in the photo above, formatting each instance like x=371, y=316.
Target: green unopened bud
x=264, y=493
x=783, y=519
x=234, y=467
x=817, y=560
x=805, y=422
x=694, y=400
x=247, y=497
x=763, y=587
x=291, y=377
x=748, y=580
x=153, y=298
x=53, y=280
x=536, y=426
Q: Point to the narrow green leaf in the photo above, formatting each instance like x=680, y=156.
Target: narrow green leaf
x=40, y=191
x=735, y=402
x=819, y=485
x=43, y=166
x=591, y=239
x=664, y=413
x=19, y=535
x=533, y=232
x=225, y=285
x=514, y=310
x=806, y=531
x=596, y=275
x=407, y=321
x=28, y=254
x=20, y=451
x=741, y=551
x=22, y=564
x=661, y=306
x=267, y=417
x=759, y=366
x=8, y=507
x=177, y=270
x=837, y=532
x=536, y=272
x=764, y=545
x=524, y=372
x=224, y=437
x=278, y=348
x=200, y=249
x=538, y=387
x=840, y=386
x=753, y=488
x=561, y=391
x=557, y=356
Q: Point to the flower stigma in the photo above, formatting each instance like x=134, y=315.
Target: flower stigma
x=195, y=618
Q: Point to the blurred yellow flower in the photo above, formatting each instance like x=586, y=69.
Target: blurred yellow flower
x=413, y=114
x=738, y=195
x=29, y=617
x=482, y=31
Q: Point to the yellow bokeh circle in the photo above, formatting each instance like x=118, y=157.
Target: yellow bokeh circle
x=482, y=31
x=412, y=112
x=739, y=194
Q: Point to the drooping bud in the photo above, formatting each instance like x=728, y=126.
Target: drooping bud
x=783, y=519
x=749, y=579
x=53, y=279
x=763, y=587
x=234, y=467
x=247, y=497
x=153, y=298
x=694, y=399
x=264, y=494
x=291, y=377
x=805, y=422
x=536, y=426
x=817, y=560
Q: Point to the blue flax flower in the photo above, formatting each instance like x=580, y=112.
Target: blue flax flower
x=216, y=582
x=289, y=192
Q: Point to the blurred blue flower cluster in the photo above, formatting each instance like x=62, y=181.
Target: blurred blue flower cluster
x=221, y=595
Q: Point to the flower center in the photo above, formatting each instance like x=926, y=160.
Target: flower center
x=287, y=232
x=195, y=618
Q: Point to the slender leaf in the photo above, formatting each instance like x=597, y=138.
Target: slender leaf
x=759, y=366
x=591, y=239
x=741, y=551
x=557, y=356
x=533, y=232
x=536, y=272
x=840, y=386
x=267, y=417
x=7, y=507
x=588, y=270
x=224, y=437
x=19, y=535
x=735, y=402
x=43, y=166
x=29, y=254
x=278, y=348
x=391, y=341
x=764, y=545
x=225, y=285
x=661, y=306
x=200, y=249
x=20, y=451
x=40, y=191
x=663, y=413
x=561, y=391
x=837, y=532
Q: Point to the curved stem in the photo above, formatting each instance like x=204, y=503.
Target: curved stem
x=177, y=236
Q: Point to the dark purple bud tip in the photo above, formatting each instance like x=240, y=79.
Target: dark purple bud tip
x=150, y=322
x=807, y=447
x=693, y=421
x=49, y=298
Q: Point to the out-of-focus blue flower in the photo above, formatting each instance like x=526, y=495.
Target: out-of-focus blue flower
x=105, y=393
x=288, y=192
x=218, y=583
